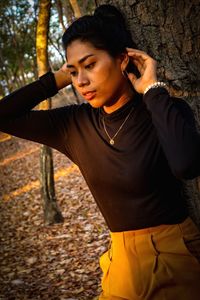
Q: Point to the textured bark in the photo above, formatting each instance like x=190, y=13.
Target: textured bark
x=68, y=12
x=170, y=32
x=76, y=8
x=42, y=36
x=52, y=213
x=60, y=13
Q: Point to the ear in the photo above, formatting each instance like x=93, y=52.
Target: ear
x=124, y=61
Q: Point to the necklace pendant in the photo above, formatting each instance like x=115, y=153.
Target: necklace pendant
x=111, y=140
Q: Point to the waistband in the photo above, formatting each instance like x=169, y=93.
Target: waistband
x=186, y=226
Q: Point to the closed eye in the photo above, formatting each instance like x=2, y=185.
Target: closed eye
x=73, y=73
x=90, y=66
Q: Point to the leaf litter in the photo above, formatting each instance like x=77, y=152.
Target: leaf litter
x=59, y=262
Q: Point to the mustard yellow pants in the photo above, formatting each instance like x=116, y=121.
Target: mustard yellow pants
x=158, y=263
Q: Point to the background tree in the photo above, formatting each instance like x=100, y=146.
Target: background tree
x=170, y=32
x=17, y=44
x=76, y=8
x=51, y=212
x=18, y=21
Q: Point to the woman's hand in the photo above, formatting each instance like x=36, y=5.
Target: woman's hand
x=62, y=77
x=147, y=67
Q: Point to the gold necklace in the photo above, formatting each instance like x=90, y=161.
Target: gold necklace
x=114, y=136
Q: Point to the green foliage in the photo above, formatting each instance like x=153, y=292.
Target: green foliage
x=17, y=43
x=18, y=20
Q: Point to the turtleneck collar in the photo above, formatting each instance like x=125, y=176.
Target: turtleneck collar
x=122, y=111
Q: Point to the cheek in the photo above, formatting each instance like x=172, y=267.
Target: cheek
x=107, y=75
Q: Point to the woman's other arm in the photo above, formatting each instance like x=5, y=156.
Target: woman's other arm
x=175, y=125
x=172, y=118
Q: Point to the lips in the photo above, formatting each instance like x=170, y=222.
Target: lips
x=89, y=95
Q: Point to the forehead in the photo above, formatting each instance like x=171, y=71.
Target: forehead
x=78, y=49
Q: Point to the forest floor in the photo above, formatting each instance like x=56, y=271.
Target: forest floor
x=59, y=262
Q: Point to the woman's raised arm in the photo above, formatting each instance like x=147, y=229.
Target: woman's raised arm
x=62, y=77
x=17, y=117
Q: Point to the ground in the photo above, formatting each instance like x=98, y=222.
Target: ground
x=59, y=262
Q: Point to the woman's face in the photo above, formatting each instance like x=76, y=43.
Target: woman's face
x=96, y=75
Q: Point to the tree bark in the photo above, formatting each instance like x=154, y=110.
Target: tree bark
x=76, y=8
x=52, y=213
x=60, y=13
x=68, y=12
x=170, y=32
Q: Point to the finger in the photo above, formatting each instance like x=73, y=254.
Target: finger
x=138, y=61
x=139, y=56
x=137, y=52
x=132, y=77
x=142, y=58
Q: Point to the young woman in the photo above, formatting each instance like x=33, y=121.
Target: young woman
x=133, y=144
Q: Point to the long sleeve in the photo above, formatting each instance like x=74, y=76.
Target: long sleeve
x=175, y=126
x=27, y=97
x=17, y=117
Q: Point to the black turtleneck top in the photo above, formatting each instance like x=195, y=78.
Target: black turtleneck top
x=137, y=181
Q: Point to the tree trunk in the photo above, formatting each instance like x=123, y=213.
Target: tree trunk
x=70, y=14
x=52, y=213
x=60, y=14
x=76, y=8
x=170, y=32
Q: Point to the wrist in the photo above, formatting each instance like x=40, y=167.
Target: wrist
x=62, y=79
x=154, y=85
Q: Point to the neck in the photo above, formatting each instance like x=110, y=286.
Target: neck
x=125, y=97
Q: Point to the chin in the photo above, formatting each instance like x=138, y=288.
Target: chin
x=96, y=103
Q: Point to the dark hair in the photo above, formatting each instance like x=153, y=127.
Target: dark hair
x=105, y=29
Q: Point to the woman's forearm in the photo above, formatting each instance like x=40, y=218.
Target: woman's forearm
x=175, y=125
x=24, y=99
x=62, y=78
x=18, y=118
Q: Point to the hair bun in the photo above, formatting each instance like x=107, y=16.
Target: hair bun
x=109, y=13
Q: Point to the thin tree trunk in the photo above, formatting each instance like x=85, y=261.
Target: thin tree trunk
x=67, y=11
x=58, y=50
x=60, y=13
x=76, y=8
x=52, y=213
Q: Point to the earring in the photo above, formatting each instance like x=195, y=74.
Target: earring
x=125, y=74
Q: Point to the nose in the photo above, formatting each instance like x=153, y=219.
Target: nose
x=82, y=79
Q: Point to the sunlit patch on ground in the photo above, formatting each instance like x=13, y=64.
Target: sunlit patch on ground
x=47, y=262
x=36, y=184
x=4, y=137
x=18, y=155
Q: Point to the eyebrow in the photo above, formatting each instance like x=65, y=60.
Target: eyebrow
x=81, y=60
